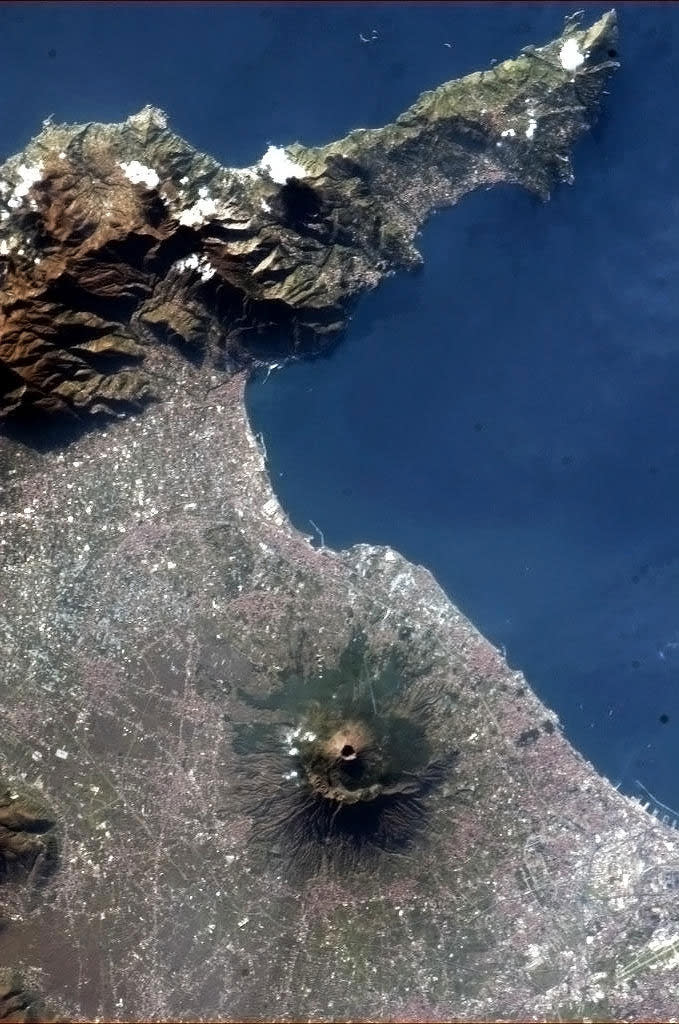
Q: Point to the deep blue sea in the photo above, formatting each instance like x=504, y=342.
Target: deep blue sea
x=506, y=416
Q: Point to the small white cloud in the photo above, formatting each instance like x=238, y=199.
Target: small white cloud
x=188, y=263
x=140, y=174
x=570, y=55
x=28, y=176
x=196, y=262
x=201, y=209
x=530, y=130
x=279, y=165
x=265, y=206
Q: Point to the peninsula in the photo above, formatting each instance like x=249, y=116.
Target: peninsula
x=279, y=781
